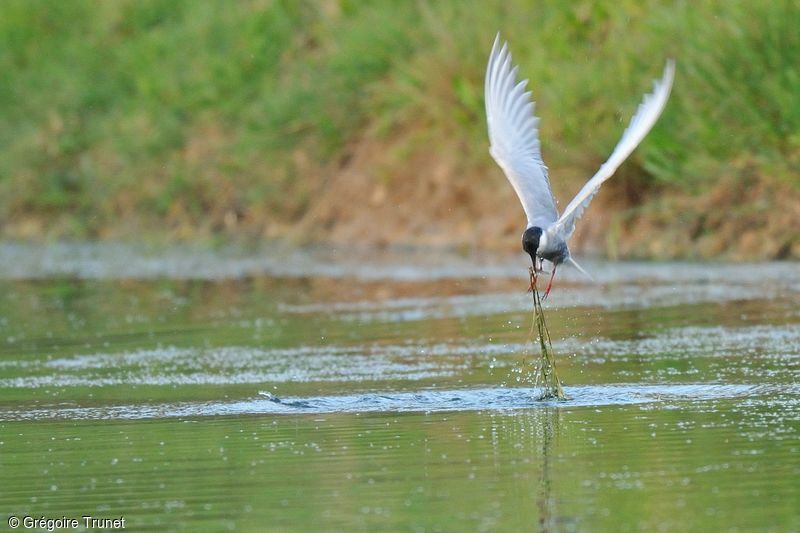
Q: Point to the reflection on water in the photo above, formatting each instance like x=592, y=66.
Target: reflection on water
x=546, y=503
x=285, y=389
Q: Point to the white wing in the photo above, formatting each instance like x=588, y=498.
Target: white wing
x=641, y=123
x=514, y=137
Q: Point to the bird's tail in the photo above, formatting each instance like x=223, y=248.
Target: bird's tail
x=580, y=268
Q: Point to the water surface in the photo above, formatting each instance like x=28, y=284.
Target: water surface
x=318, y=389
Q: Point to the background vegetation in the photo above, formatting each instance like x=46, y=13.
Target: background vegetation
x=337, y=120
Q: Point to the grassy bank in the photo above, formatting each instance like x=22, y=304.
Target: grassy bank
x=187, y=120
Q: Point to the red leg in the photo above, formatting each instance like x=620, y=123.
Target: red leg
x=549, y=285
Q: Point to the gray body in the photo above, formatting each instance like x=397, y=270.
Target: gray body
x=555, y=250
x=538, y=242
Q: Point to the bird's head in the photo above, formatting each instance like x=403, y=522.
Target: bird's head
x=530, y=241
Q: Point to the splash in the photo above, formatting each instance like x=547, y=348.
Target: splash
x=546, y=375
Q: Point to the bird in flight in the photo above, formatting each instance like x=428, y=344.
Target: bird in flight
x=514, y=138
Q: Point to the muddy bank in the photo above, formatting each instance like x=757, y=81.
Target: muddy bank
x=443, y=199
x=432, y=200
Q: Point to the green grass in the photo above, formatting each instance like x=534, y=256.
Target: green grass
x=130, y=116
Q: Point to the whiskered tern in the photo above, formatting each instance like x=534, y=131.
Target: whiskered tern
x=514, y=138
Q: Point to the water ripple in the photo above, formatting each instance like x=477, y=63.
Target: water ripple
x=482, y=399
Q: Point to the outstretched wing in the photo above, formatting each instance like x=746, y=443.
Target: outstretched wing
x=641, y=123
x=514, y=137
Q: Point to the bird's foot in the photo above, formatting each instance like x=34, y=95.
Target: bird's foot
x=549, y=285
x=547, y=291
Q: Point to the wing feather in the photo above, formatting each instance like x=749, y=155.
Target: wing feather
x=514, y=137
x=641, y=123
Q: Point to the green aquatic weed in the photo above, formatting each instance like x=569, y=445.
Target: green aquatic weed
x=546, y=376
